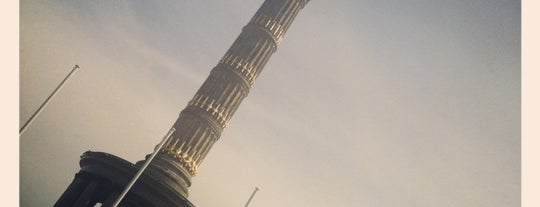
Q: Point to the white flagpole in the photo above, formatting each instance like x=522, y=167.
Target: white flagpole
x=25, y=126
x=146, y=163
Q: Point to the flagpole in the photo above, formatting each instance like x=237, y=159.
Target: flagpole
x=251, y=197
x=146, y=163
x=25, y=126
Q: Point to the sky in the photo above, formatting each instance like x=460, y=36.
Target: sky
x=412, y=103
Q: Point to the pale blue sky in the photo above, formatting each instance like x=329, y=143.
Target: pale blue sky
x=365, y=103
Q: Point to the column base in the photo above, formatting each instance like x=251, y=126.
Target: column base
x=102, y=178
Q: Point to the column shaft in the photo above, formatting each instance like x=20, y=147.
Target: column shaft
x=200, y=124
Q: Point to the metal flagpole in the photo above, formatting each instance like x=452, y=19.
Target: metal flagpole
x=25, y=126
x=146, y=163
x=251, y=197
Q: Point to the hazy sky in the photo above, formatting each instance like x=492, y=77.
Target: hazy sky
x=412, y=103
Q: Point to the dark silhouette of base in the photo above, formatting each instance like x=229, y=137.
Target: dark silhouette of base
x=102, y=178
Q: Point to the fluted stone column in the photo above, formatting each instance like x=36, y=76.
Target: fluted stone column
x=200, y=124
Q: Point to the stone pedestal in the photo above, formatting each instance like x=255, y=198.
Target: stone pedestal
x=102, y=178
